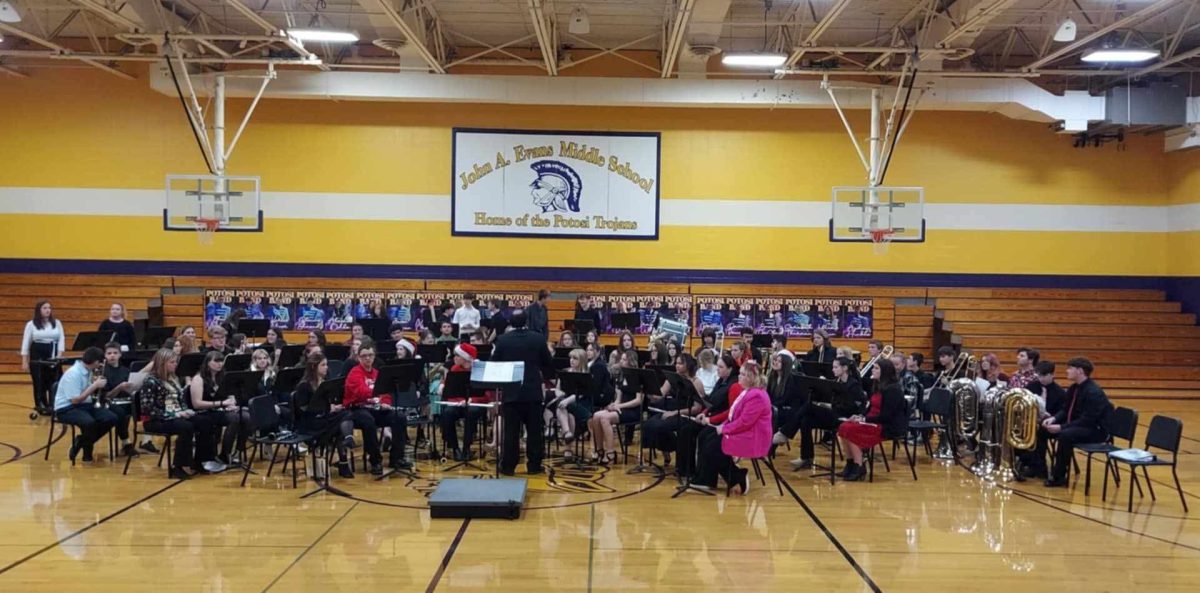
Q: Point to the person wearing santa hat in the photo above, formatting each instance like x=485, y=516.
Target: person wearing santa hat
x=456, y=408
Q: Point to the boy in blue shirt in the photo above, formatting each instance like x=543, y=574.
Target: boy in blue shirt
x=73, y=403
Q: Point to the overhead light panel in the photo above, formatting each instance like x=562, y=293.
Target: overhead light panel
x=754, y=60
x=1066, y=31
x=580, y=24
x=323, y=35
x=8, y=12
x=1115, y=55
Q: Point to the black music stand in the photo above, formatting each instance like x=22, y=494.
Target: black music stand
x=651, y=382
x=499, y=376
x=291, y=355
x=579, y=327
x=684, y=394
x=583, y=388
x=329, y=391
x=85, y=340
x=625, y=321
x=237, y=362
x=458, y=384
x=189, y=365
x=242, y=385
x=817, y=369
x=562, y=352
x=761, y=341
x=433, y=353
x=483, y=352
x=128, y=358
x=156, y=336
x=393, y=380
x=643, y=357
x=608, y=350
x=497, y=323
x=286, y=380
x=386, y=349
x=376, y=329
x=254, y=328
x=337, y=351
x=824, y=392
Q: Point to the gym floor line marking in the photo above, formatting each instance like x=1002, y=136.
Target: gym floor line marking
x=310, y=547
x=437, y=576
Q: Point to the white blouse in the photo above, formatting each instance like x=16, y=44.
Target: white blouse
x=46, y=335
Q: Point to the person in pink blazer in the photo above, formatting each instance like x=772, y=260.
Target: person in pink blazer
x=746, y=434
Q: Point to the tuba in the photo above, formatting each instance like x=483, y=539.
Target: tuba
x=1018, y=428
x=991, y=430
x=966, y=396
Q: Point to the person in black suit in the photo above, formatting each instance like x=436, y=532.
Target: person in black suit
x=1052, y=399
x=1080, y=421
x=522, y=406
x=536, y=316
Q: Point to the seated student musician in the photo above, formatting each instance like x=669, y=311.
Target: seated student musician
x=779, y=379
x=369, y=411
x=276, y=343
x=328, y=421
x=914, y=362
x=779, y=342
x=565, y=340
x=217, y=340
x=740, y=352
x=582, y=408
x=989, y=371
x=812, y=415
x=885, y=418
x=626, y=410
x=164, y=408
x=447, y=334
x=73, y=403
x=454, y=409
x=1026, y=374
x=708, y=341
x=744, y=434
x=909, y=383
x=1052, y=400
x=625, y=342
x=659, y=431
x=557, y=408
x=466, y=316
x=1081, y=421
x=946, y=360
x=692, y=434
x=351, y=361
x=117, y=394
x=585, y=309
x=238, y=344
x=748, y=343
x=219, y=411
x=592, y=337
x=707, y=370
x=120, y=328
x=823, y=349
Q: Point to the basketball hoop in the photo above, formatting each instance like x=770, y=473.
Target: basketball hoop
x=206, y=229
x=880, y=238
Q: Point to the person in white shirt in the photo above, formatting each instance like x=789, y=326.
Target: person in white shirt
x=73, y=403
x=466, y=316
x=44, y=339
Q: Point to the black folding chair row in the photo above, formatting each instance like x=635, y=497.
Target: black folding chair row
x=1164, y=434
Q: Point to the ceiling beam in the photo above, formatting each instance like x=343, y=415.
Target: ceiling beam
x=63, y=50
x=103, y=12
x=544, y=28
x=816, y=32
x=679, y=25
x=416, y=41
x=1136, y=17
x=978, y=16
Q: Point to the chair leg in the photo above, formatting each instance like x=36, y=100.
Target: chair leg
x=72, y=442
x=1133, y=479
x=128, y=459
x=274, y=456
x=49, y=438
x=1182, y=498
x=165, y=453
x=883, y=453
x=912, y=460
x=1087, y=481
x=249, y=462
x=758, y=473
x=294, y=453
x=1108, y=468
x=774, y=474
x=1149, y=485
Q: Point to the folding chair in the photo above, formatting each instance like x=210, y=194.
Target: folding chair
x=263, y=417
x=1121, y=423
x=1164, y=433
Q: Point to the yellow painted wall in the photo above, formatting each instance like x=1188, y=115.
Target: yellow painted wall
x=1183, y=249
x=83, y=129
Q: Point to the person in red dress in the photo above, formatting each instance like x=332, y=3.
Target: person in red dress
x=886, y=418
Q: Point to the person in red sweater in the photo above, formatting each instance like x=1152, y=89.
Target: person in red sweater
x=456, y=408
x=369, y=412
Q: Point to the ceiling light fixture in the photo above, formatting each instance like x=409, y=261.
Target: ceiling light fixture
x=580, y=24
x=1066, y=30
x=754, y=60
x=1119, y=55
x=325, y=35
x=8, y=12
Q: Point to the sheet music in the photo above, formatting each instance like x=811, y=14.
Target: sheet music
x=502, y=372
x=136, y=380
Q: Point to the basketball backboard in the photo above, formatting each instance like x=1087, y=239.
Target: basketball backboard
x=859, y=210
x=234, y=202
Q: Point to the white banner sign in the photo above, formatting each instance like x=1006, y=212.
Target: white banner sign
x=596, y=185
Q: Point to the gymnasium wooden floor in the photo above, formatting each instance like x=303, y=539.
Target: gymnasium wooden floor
x=89, y=528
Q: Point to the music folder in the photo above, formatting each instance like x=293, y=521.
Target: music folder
x=683, y=391
x=291, y=355
x=337, y=351
x=433, y=353
x=156, y=336
x=237, y=362
x=330, y=391
x=254, y=328
x=761, y=341
x=626, y=321
x=242, y=385
x=85, y=340
x=189, y=364
x=287, y=379
x=579, y=327
x=817, y=369
x=376, y=329
x=577, y=384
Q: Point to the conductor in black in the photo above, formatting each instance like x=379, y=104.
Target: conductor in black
x=522, y=406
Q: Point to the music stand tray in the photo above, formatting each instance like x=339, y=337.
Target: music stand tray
x=254, y=328
x=237, y=362
x=625, y=321
x=85, y=340
x=155, y=336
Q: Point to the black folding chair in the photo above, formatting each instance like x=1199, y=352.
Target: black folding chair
x=937, y=405
x=165, y=452
x=909, y=454
x=1120, y=423
x=1164, y=433
x=263, y=417
x=112, y=449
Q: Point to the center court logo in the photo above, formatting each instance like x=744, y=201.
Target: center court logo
x=557, y=187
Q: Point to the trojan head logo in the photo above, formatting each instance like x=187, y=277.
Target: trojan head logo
x=557, y=187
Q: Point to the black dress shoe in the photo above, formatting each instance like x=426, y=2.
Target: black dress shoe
x=376, y=469
x=129, y=450
x=177, y=474
x=536, y=471
x=401, y=464
x=344, y=470
x=505, y=472
x=74, y=452
x=87, y=455
x=1056, y=483
x=148, y=447
x=460, y=456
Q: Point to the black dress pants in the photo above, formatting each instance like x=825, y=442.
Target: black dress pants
x=517, y=415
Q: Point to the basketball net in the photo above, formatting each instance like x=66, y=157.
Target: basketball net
x=880, y=238
x=206, y=229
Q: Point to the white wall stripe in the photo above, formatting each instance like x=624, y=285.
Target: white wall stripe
x=675, y=212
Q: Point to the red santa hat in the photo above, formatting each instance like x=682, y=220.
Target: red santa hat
x=466, y=351
x=407, y=345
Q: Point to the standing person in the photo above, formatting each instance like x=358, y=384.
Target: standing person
x=466, y=316
x=536, y=316
x=44, y=339
x=121, y=328
x=522, y=406
x=73, y=403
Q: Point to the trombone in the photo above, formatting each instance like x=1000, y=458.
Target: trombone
x=948, y=375
x=885, y=353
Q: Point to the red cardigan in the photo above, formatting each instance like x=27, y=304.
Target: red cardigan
x=735, y=390
x=360, y=387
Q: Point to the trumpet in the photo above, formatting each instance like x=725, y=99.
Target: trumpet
x=885, y=353
x=949, y=375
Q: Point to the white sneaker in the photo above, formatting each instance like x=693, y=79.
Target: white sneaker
x=214, y=467
x=779, y=439
x=800, y=462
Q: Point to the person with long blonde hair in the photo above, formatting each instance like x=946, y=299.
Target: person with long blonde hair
x=163, y=403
